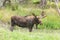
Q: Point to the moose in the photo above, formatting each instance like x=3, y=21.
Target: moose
x=25, y=21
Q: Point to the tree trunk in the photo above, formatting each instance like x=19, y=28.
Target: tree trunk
x=56, y=2
x=43, y=3
x=6, y=1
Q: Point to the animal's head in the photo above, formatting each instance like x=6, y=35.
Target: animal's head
x=42, y=15
x=37, y=18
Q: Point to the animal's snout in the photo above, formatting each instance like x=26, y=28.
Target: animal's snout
x=41, y=23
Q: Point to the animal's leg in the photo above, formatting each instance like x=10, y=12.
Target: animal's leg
x=36, y=26
x=11, y=28
x=30, y=29
x=12, y=25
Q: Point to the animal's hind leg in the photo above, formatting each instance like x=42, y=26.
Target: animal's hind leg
x=11, y=28
x=12, y=25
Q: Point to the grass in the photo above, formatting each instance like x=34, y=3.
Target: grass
x=45, y=32
x=52, y=21
x=50, y=30
x=5, y=34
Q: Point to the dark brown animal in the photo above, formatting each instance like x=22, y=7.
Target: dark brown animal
x=25, y=21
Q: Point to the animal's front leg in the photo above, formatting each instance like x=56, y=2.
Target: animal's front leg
x=36, y=26
x=30, y=29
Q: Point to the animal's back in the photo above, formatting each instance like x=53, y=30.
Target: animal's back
x=19, y=20
x=30, y=18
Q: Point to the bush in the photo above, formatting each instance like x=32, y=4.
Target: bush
x=51, y=4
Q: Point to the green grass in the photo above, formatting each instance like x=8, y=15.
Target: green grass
x=50, y=30
x=5, y=34
x=52, y=21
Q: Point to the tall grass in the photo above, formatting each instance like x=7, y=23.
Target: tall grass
x=52, y=21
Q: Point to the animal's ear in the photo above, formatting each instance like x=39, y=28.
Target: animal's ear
x=43, y=15
x=33, y=14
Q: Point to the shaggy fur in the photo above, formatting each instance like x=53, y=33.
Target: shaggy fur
x=25, y=21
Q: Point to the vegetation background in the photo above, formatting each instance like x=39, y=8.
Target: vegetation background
x=50, y=30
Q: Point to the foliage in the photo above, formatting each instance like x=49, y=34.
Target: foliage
x=44, y=31
x=52, y=21
x=5, y=34
x=35, y=0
